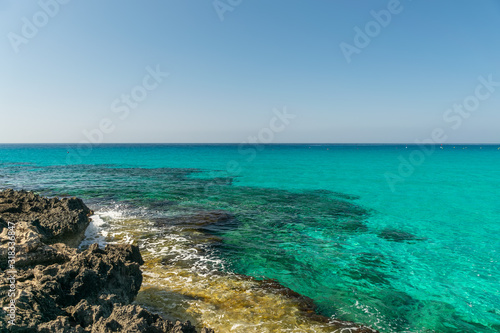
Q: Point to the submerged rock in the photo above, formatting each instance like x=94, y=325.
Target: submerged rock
x=58, y=288
x=335, y=194
x=307, y=307
x=353, y=226
x=208, y=222
x=198, y=219
x=398, y=235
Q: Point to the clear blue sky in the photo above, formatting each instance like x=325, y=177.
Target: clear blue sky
x=226, y=77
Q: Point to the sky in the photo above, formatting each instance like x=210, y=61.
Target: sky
x=227, y=71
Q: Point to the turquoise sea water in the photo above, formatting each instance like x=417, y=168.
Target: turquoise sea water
x=421, y=255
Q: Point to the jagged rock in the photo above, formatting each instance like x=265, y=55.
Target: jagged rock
x=91, y=290
x=109, y=317
x=133, y=318
x=93, y=275
x=59, y=289
x=59, y=325
x=30, y=250
x=57, y=220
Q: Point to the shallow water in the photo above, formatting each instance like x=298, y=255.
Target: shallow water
x=322, y=221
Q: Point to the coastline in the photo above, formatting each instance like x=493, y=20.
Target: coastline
x=51, y=270
x=47, y=285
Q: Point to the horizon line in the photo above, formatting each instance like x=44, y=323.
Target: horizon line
x=253, y=144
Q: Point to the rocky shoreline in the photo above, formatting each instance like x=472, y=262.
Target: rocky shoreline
x=48, y=285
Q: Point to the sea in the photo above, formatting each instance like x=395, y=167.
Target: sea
x=292, y=238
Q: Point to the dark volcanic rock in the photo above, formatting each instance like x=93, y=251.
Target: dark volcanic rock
x=101, y=277
x=107, y=317
x=59, y=289
x=57, y=220
x=30, y=250
x=40, y=224
x=133, y=318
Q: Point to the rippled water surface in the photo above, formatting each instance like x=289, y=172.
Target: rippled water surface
x=299, y=234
